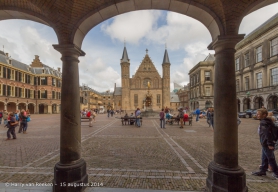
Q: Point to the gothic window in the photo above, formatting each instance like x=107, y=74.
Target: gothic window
x=135, y=99
x=155, y=83
x=145, y=82
x=158, y=98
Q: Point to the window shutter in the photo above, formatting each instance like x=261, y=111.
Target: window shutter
x=4, y=90
x=9, y=90
x=39, y=94
x=4, y=72
x=46, y=94
x=16, y=92
x=9, y=73
x=20, y=76
x=16, y=73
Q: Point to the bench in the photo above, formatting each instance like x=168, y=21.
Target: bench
x=177, y=120
x=130, y=119
x=85, y=118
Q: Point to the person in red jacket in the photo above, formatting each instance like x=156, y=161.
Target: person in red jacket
x=185, y=118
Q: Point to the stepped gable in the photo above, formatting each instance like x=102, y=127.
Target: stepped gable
x=36, y=62
x=147, y=67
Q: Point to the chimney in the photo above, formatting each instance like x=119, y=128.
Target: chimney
x=7, y=54
x=59, y=69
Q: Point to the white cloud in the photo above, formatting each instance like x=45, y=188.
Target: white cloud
x=97, y=74
x=131, y=26
x=255, y=19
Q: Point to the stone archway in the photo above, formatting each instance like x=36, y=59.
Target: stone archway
x=272, y=102
x=43, y=108
x=11, y=107
x=54, y=108
x=208, y=104
x=238, y=105
x=258, y=102
x=21, y=106
x=31, y=108
x=246, y=104
x=81, y=16
x=2, y=105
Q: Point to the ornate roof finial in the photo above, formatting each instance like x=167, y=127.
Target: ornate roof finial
x=124, y=42
x=147, y=51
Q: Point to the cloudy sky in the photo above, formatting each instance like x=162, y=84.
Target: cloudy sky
x=186, y=40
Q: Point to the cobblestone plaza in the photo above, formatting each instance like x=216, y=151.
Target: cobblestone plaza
x=120, y=156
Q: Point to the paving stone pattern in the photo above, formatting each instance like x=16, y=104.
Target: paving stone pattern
x=120, y=156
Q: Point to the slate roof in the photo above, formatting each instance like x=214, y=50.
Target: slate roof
x=125, y=56
x=267, y=25
x=166, y=57
x=210, y=57
x=19, y=65
x=118, y=91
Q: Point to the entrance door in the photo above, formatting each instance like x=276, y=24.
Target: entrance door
x=148, y=102
x=41, y=109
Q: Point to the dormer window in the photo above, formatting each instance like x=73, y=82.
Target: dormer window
x=10, y=61
x=43, y=71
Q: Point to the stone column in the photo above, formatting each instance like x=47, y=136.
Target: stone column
x=49, y=109
x=224, y=173
x=37, y=109
x=71, y=168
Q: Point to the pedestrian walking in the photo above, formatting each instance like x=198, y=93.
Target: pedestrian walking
x=197, y=114
x=138, y=115
x=94, y=114
x=208, y=116
x=181, y=116
x=266, y=140
x=89, y=115
x=162, y=119
x=5, y=117
x=23, y=121
x=108, y=112
x=11, y=127
x=212, y=117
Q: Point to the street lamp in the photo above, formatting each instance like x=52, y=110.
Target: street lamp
x=248, y=94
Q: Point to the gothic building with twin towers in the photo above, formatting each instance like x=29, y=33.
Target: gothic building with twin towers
x=146, y=89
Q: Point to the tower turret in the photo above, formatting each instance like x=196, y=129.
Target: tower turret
x=125, y=65
x=166, y=80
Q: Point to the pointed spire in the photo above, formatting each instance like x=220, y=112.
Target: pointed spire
x=166, y=57
x=125, y=56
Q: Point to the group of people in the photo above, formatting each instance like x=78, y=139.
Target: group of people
x=182, y=116
x=89, y=113
x=14, y=119
x=137, y=117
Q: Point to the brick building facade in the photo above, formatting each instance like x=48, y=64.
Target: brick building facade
x=36, y=87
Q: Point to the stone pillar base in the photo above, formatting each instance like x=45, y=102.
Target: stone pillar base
x=70, y=177
x=222, y=179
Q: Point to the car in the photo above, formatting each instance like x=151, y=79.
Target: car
x=254, y=114
x=274, y=111
x=246, y=114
